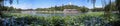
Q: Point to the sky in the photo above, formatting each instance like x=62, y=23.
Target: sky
x=33, y=4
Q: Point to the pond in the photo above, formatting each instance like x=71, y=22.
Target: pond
x=46, y=14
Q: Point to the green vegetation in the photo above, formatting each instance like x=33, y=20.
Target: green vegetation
x=64, y=21
x=61, y=8
x=94, y=19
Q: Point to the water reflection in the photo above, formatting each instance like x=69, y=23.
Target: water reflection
x=59, y=13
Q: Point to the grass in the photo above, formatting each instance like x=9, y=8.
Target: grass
x=94, y=13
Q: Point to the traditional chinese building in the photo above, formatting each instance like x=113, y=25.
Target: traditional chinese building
x=71, y=11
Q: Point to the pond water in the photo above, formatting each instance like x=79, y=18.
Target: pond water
x=51, y=14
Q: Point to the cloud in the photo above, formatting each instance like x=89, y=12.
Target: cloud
x=22, y=6
x=98, y=6
x=91, y=7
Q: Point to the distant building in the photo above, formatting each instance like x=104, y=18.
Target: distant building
x=28, y=12
x=71, y=11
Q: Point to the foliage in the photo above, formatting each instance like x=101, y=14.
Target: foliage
x=91, y=18
x=93, y=2
x=118, y=5
x=84, y=9
x=61, y=8
x=6, y=8
x=112, y=5
x=97, y=9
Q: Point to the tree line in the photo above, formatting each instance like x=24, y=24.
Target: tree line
x=61, y=8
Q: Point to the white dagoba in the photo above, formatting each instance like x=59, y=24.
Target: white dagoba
x=70, y=3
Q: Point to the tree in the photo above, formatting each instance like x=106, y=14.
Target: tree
x=61, y=8
x=118, y=5
x=97, y=9
x=113, y=6
x=107, y=9
x=93, y=2
x=116, y=23
x=84, y=9
x=2, y=5
x=57, y=8
x=6, y=8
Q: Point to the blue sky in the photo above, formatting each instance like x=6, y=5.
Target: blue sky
x=28, y=4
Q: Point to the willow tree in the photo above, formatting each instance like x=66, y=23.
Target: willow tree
x=93, y=2
x=107, y=10
x=2, y=5
x=118, y=5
